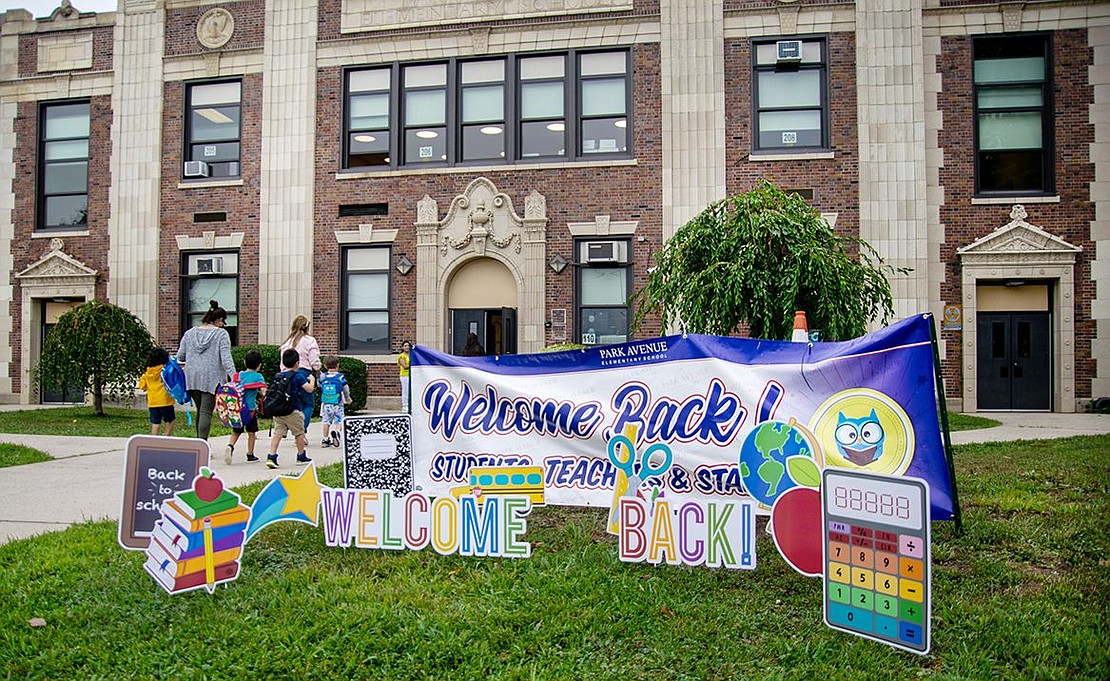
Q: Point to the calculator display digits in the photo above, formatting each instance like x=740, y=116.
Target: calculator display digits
x=877, y=557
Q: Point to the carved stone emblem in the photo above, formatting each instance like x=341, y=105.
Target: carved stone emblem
x=215, y=28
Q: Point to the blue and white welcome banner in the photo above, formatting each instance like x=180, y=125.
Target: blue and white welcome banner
x=683, y=417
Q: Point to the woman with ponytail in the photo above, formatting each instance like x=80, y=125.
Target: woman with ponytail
x=309, y=352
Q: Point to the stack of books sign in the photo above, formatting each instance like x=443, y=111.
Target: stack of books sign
x=197, y=543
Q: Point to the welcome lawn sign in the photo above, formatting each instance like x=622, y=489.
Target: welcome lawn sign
x=685, y=439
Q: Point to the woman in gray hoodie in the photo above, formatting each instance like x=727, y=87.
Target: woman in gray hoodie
x=205, y=352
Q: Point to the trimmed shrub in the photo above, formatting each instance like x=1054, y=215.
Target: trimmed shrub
x=353, y=369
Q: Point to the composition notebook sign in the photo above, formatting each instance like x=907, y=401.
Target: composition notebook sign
x=677, y=416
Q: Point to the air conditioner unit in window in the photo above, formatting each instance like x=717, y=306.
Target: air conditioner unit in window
x=210, y=265
x=788, y=51
x=604, y=251
x=196, y=169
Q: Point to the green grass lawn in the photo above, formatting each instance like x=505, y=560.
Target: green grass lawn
x=1022, y=593
x=17, y=455
x=957, y=421
x=117, y=422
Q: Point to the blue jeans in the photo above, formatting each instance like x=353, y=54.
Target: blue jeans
x=307, y=416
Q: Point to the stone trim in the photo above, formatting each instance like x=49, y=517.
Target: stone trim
x=1021, y=250
x=208, y=241
x=366, y=234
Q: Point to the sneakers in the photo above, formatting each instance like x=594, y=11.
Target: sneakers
x=302, y=458
x=271, y=461
x=228, y=451
x=334, y=439
x=326, y=443
x=251, y=458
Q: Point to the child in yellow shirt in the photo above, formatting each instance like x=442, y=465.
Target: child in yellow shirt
x=158, y=401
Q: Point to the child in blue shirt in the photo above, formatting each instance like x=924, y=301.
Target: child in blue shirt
x=254, y=386
x=334, y=394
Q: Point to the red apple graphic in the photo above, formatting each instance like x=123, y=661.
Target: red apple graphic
x=796, y=527
x=207, y=486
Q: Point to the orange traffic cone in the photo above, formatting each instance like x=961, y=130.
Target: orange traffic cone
x=801, y=330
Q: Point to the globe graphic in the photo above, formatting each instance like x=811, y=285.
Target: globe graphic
x=763, y=459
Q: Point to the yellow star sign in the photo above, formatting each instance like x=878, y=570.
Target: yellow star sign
x=302, y=493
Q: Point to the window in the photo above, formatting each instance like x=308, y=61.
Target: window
x=790, y=95
x=365, y=301
x=213, y=129
x=1013, y=115
x=64, y=166
x=210, y=276
x=518, y=108
x=603, y=281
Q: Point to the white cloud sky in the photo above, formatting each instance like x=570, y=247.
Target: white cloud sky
x=43, y=8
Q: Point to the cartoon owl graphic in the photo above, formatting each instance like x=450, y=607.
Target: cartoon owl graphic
x=859, y=440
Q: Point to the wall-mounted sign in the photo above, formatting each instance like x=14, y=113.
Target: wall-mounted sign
x=953, y=318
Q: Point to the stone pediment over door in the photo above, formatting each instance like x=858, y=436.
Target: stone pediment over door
x=1018, y=252
x=481, y=222
x=57, y=269
x=1018, y=243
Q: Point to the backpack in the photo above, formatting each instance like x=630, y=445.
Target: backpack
x=173, y=377
x=279, y=397
x=231, y=405
x=331, y=388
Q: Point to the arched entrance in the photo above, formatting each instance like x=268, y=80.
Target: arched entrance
x=482, y=299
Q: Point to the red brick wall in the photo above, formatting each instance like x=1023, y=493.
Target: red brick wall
x=181, y=27
x=241, y=203
x=573, y=195
x=91, y=249
x=1069, y=219
x=835, y=182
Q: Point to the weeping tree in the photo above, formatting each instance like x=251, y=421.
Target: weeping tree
x=755, y=259
x=98, y=346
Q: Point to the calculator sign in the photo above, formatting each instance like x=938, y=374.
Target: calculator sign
x=877, y=557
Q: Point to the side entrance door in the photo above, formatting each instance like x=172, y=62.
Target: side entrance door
x=51, y=310
x=1014, y=362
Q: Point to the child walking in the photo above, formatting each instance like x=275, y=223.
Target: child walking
x=303, y=386
x=254, y=387
x=158, y=400
x=334, y=394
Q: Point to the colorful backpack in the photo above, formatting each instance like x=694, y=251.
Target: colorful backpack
x=331, y=388
x=231, y=405
x=173, y=377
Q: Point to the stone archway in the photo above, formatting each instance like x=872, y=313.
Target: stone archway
x=54, y=275
x=1019, y=251
x=480, y=223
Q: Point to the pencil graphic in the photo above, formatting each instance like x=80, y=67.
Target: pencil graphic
x=209, y=555
x=620, y=487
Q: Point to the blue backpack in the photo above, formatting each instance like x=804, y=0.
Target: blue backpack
x=331, y=388
x=173, y=377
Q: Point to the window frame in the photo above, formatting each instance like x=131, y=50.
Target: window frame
x=579, y=267
x=512, y=124
x=1046, y=109
x=344, y=290
x=187, y=130
x=822, y=67
x=187, y=278
x=41, y=195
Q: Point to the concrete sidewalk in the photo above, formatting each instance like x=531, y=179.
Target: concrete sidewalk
x=85, y=479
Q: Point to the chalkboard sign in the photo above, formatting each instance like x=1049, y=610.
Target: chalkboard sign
x=378, y=453
x=154, y=469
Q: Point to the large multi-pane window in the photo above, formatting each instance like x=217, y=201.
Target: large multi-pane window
x=517, y=108
x=1013, y=114
x=790, y=95
x=210, y=276
x=602, y=282
x=213, y=129
x=365, y=301
x=64, y=165
x=368, y=117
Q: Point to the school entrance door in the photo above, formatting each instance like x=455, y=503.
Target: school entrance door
x=50, y=311
x=482, y=299
x=1014, y=361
